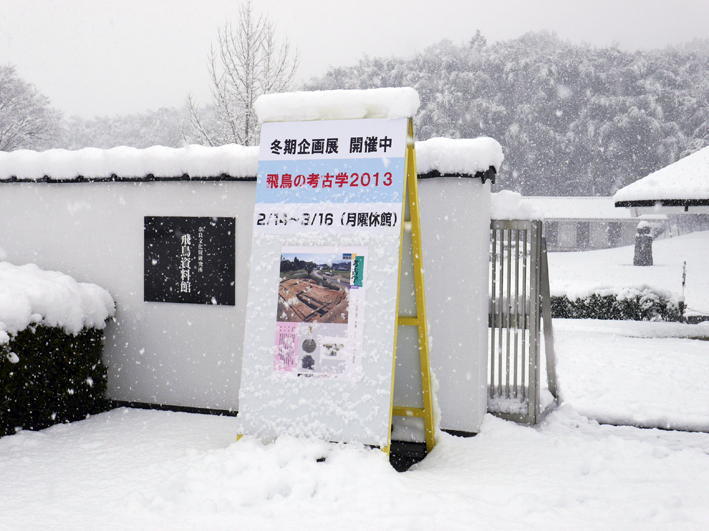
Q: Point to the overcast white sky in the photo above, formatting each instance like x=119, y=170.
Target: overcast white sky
x=104, y=57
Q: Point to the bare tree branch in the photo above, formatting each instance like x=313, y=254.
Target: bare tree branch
x=196, y=121
x=247, y=60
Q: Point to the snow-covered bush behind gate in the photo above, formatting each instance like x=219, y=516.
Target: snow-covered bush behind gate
x=634, y=304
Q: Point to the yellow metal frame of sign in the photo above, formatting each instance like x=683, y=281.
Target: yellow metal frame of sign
x=413, y=224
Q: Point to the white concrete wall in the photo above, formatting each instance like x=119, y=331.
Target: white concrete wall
x=455, y=217
x=567, y=235
x=179, y=354
x=598, y=238
x=190, y=355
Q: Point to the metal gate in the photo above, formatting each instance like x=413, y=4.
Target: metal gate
x=519, y=302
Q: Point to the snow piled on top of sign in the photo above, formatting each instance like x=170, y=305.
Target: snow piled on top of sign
x=688, y=178
x=30, y=295
x=128, y=162
x=458, y=155
x=392, y=102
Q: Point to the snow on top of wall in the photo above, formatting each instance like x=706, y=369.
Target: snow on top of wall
x=581, y=207
x=30, y=295
x=128, y=162
x=458, y=155
x=688, y=178
x=507, y=204
x=511, y=205
x=393, y=102
x=442, y=154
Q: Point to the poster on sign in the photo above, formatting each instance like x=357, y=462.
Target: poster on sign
x=320, y=324
x=321, y=295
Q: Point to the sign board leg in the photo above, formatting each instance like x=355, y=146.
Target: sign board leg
x=419, y=320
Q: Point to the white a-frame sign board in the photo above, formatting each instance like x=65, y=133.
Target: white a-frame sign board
x=322, y=316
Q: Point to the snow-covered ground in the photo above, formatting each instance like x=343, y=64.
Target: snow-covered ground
x=633, y=372
x=133, y=469
x=579, y=273
x=136, y=469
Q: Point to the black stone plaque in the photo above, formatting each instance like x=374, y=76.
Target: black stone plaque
x=189, y=259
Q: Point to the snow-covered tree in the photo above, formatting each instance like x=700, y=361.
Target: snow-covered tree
x=248, y=60
x=26, y=118
x=163, y=126
x=573, y=119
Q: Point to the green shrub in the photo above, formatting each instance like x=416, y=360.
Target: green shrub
x=629, y=304
x=48, y=376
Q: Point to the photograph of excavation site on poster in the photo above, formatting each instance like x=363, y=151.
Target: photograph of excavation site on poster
x=320, y=311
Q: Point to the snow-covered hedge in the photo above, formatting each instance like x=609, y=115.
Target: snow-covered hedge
x=633, y=304
x=51, y=337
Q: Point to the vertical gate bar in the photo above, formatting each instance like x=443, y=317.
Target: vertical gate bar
x=547, y=324
x=508, y=307
x=525, y=323
x=491, y=317
x=535, y=270
x=538, y=364
x=516, y=320
x=500, y=308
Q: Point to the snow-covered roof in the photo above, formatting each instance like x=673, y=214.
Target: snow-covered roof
x=394, y=102
x=511, y=205
x=130, y=163
x=30, y=295
x=460, y=156
x=684, y=180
